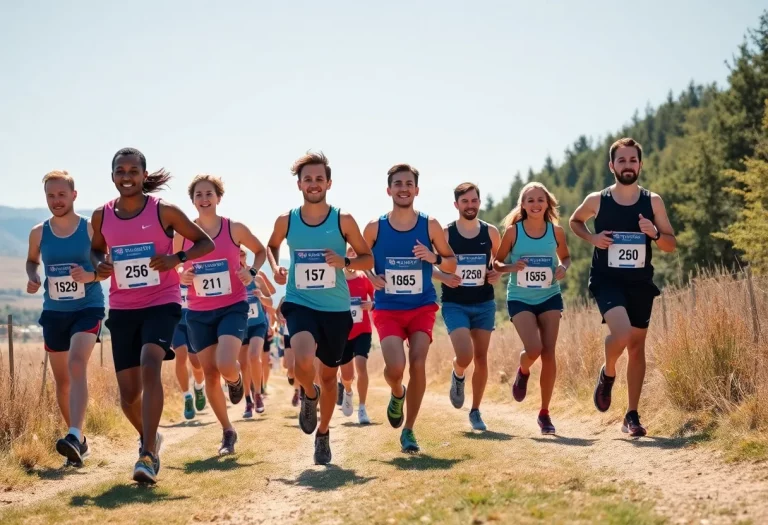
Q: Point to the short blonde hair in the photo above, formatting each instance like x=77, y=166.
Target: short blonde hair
x=218, y=184
x=59, y=175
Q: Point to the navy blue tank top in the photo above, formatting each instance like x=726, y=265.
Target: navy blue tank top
x=471, y=254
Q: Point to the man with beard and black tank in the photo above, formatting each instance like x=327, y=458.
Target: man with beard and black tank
x=403, y=241
x=132, y=245
x=468, y=305
x=627, y=218
x=317, y=301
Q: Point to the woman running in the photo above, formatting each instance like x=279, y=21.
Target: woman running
x=218, y=309
x=180, y=345
x=133, y=246
x=534, y=250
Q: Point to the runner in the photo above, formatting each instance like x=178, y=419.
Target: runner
x=469, y=308
x=535, y=252
x=627, y=217
x=405, y=297
x=180, y=345
x=316, y=305
x=218, y=309
x=266, y=362
x=133, y=246
x=359, y=342
x=250, y=351
x=73, y=305
x=289, y=359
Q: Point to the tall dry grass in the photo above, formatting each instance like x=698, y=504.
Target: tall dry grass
x=706, y=363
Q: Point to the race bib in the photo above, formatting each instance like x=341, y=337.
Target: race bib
x=61, y=286
x=212, y=278
x=131, y=266
x=184, y=292
x=471, y=269
x=537, y=273
x=403, y=275
x=253, y=307
x=356, y=309
x=627, y=250
x=311, y=272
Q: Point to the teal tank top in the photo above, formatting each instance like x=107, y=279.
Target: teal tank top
x=60, y=292
x=541, y=254
x=311, y=282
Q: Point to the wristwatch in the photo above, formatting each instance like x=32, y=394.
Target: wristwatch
x=658, y=235
x=182, y=256
x=253, y=271
x=438, y=259
x=347, y=262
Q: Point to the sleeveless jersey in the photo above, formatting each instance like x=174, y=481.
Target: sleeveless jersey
x=60, y=292
x=256, y=314
x=216, y=284
x=474, y=258
x=536, y=283
x=311, y=281
x=132, y=242
x=621, y=260
x=184, y=304
x=409, y=280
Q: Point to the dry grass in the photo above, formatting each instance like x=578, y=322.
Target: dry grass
x=707, y=374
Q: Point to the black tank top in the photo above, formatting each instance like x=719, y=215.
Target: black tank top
x=614, y=217
x=481, y=243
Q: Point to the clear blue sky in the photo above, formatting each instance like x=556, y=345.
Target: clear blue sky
x=462, y=90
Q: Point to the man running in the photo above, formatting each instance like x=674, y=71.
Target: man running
x=405, y=297
x=316, y=306
x=180, y=346
x=133, y=246
x=469, y=308
x=627, y=217
x=73, y=305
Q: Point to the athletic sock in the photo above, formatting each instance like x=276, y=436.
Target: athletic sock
x=474, y=410
x=187, y=394
x=248, y=400
x=76, y=432
x=543, y=412
x=199, y=386
x=459, y=379
x=291, y=380
x=520, y=369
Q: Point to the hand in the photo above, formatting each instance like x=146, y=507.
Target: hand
x=187, y=276
x=367, y=305
x=163, y=263
x=281, y=275
x=452, y=280
x=245, y=276
x=333, y=259
x=647, y=227
x=492, y=276
x=105, y=269
x=424, y=253
x=602, y=240
x=519, y=266
x=377, y=281
x=257, y=293
x=33, y=284
x=79, y=275
x=560, y=273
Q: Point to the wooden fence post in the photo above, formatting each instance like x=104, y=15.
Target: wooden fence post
x=664, y=311
x=10, y=354
x=45, y=376
x=753, y=306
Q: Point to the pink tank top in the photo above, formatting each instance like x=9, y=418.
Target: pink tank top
x=132, y=242
x=216, y=283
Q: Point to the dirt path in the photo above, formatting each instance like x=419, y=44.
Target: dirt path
x=588, y=473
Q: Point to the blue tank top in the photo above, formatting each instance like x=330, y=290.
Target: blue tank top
x=542, y=261
x=409, y=280
x=184, y=304
x=311, y=282
x=256, y=315
x=60, y=292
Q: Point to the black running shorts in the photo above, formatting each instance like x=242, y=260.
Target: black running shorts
x=130, y=330
x=329, y=329
x=636, y=297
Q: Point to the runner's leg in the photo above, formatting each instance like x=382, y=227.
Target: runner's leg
x=182, y=374
x=394, y=363
x=528, y=330
x=60, y=368
x=347, y=375
x=618, y=339
x=417, y=376
x=481, y=340
x=361, y=364
x=635, y=366
x=550, y=327
x=152, y=396
x=212, y=386
x=129, y=383
x=80, y=349
x=197, y=368
x=328, y=377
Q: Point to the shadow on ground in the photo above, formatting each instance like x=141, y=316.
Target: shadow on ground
x=216, y=463
x=124, y=494
x=488, y=435
x=423, y=462
x=195, y=423
x=331, y=477
x=564, y=440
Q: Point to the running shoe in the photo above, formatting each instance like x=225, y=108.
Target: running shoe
x=189, y=406
x=632, y=425
x=199, y=398
x=408, y=441
x=228, y=442
x=236, y=390
x=362, y=416
x=71, y=448
x=144, y=470
x=346, y=405
x=602, y=395
x=476, y=420
x=395, y=409
x=456, y=393
x=295, y=399
x=323, y=448
x=259, y=404
x=248, y=411
x=520, y=386
x=545, y=424
x=308, y=412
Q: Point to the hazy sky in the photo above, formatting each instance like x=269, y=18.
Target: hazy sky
x=462, y=90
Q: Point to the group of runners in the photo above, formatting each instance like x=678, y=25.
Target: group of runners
x=182, y=287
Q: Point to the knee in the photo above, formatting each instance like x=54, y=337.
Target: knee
x=62, y=384
x=481, y=360
x=636, y=351
x=181, y=359
x=395, y=371
x=464, y=359
x=77, y=367
x=548, y=355
x=328, y=383
x=621, y=338
x=534, y=351
x=129, y=395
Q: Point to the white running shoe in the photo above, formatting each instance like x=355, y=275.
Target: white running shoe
x=362, y=416
x=346, y=404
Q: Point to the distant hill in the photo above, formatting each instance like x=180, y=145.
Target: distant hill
x=15, y=224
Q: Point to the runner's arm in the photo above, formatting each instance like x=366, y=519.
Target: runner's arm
x=279, y=234
x=351, y=232
x=370, y=233
x=173, y=217
x=562, y=251
x=582, y=214
x=241, y=234
x=99, y=247
x=667, y=241
x=33, y=259
x=493, y=275
x=437, y=235
x=505, y=247
x=270, y=286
